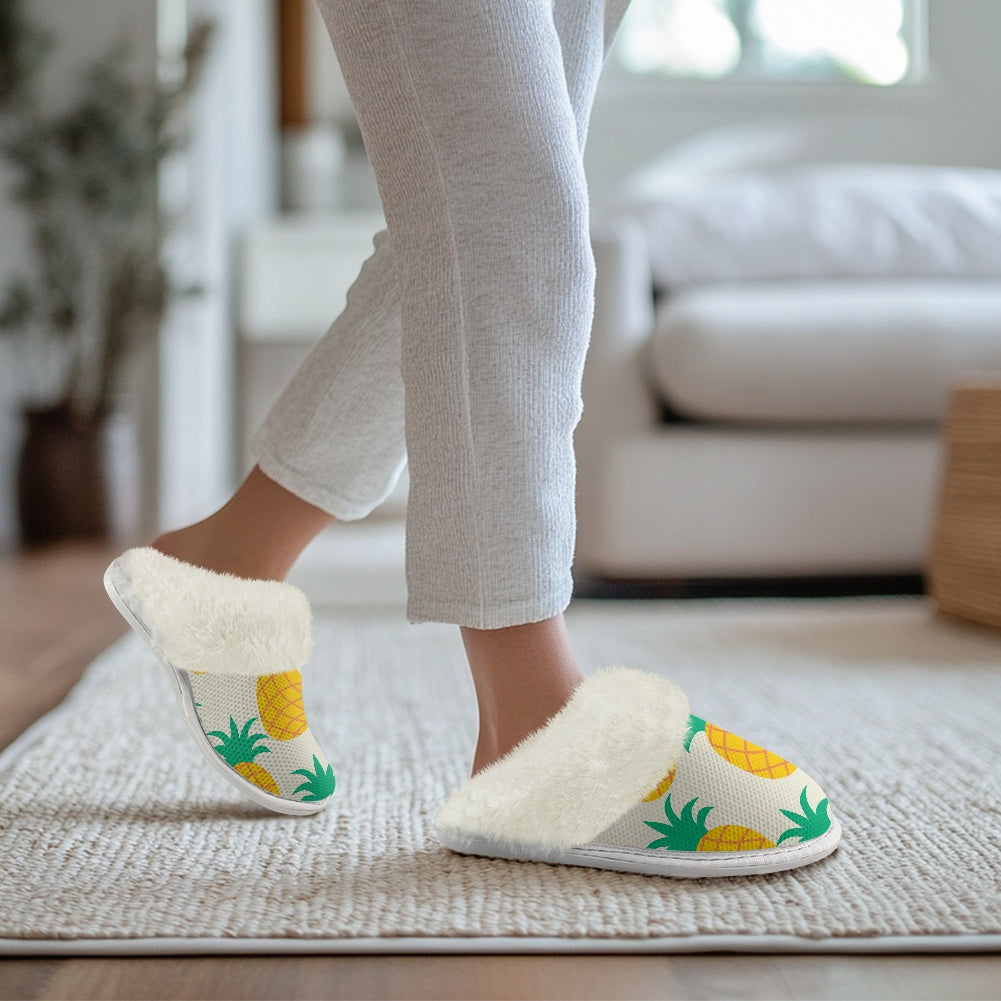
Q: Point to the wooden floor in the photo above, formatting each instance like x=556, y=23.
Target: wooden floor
x=54, y=618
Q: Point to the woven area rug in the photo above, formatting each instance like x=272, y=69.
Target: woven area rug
x=114, y=838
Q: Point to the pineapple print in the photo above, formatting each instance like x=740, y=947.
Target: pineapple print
x=689, y=832
x=239, y=748
x=733, y=838
x=811, y=823
x=739, y=752
x=319, y=784
x=661, y=787
x=279, y=701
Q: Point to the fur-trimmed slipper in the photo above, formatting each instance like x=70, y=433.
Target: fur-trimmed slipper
x=233, y=649
x=626, y=778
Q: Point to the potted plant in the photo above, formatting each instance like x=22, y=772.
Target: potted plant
x=86, y=177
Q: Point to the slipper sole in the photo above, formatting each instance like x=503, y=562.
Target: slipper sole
x=679, y=865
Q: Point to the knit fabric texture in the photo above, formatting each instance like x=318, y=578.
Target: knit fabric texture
x=258, y=726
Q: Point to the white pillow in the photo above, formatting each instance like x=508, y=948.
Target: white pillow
x=855, y=220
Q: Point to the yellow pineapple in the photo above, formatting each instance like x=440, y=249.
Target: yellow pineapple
x=662, y=786
x=279, y=701
x=739, y=752
x=258, y=775
x=731, y=838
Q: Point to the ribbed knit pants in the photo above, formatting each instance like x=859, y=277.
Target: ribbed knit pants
x=462, y=343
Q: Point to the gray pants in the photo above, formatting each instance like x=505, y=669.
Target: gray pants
x=462, y=343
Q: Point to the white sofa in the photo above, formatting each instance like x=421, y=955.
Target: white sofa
x=771, y=359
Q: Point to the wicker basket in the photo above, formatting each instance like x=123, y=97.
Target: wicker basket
x=964, y=574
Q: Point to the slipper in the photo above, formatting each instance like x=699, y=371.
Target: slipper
x=624, y=777
x=233, y=649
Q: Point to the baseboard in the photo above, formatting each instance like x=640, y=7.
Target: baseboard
x=750, y=587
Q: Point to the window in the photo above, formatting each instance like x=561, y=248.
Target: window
x=871, y=42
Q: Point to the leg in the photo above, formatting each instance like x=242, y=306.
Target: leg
x=335, y=435
x=487, y=211
x=259, y=533
x=472, y=134
x=332, y=445
x=522, y=675
x=335, y=439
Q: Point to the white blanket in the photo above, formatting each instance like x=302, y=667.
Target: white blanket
x=855, y=220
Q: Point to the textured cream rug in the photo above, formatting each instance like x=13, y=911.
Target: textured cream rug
x=115, y=838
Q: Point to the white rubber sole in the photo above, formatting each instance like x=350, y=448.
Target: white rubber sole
x=679, y=865
x=115, y=578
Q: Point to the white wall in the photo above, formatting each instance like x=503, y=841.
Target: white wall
x=227, y=179
x=182, y=392
x=83, y=29
x=950, y=118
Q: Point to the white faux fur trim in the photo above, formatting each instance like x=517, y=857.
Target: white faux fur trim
x=213, y=622
x=562, y=786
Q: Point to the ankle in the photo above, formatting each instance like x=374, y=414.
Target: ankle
x=523, y=676
x=206, y=544
x=494, y=742
x=258, y=533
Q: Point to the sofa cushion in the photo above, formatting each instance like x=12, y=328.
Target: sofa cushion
x=851, y=220
x=806, y=352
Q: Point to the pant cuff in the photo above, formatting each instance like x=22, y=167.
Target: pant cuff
x=341, y=507
x=476, y=617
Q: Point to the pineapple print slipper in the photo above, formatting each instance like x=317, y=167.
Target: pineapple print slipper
x=233, y=649
x=626, y=778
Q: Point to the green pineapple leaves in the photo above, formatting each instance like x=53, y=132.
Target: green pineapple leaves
x=811, y=823
x=238, y=746
x=683, y=833
x=696, y=725
x=319, y=783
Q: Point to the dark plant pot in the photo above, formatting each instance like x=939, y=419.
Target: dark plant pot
x=62, y=482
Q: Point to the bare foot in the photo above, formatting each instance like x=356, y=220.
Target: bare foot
x=523, y=676
x=205, y=544
x=259, y=533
